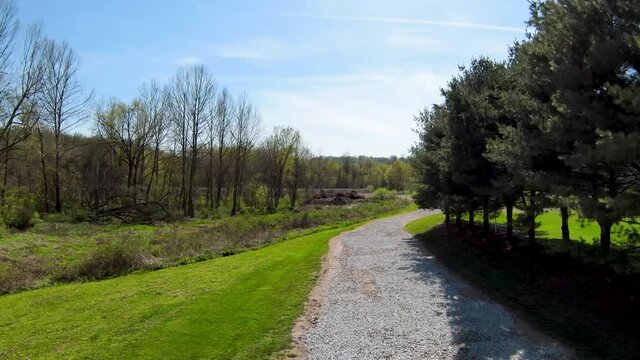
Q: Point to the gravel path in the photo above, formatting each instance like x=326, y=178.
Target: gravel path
x=387, y=298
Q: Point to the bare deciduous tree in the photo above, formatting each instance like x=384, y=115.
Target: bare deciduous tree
x=224, y=120
x=245, y=133
x=193, y=92
x=18, y=84
x=62, y=100
x=153, y=104
x=280, y=148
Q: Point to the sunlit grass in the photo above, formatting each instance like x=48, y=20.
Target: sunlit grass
x=242, y=306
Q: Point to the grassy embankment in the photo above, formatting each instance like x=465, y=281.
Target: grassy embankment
x=53, y=253
x=586, y=305
x=240, y=307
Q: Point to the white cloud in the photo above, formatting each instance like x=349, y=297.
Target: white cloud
x=366, y=113
x=408, y=21
x=189, y=60
x=255, y=49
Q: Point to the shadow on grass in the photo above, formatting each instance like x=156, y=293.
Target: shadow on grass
x=590, y=307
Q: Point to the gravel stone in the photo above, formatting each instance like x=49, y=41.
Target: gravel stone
x=390, y=299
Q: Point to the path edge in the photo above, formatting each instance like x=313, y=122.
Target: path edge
x=316, y=298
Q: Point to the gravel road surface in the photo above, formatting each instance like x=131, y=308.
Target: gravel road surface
x=387, y=298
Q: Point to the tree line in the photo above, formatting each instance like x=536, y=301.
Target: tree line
x=177, y=148
x=556, y=125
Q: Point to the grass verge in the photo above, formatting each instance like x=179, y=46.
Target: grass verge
x=235, y=307
x=587, y=306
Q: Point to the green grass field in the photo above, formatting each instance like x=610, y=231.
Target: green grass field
x=424, y=224
x=235, y=307
x=241, y=306
x=581, y=230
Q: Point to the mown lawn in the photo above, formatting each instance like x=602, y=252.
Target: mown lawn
x=582, y=230
x=240, y=307
x=423, y=224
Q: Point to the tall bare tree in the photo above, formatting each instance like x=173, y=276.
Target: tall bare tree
x=63, y=102
x=178, y=108
x=280, y=148
x=225, y=113
x=20, y=78
x=153, y=104
x=245, y=133
x=192, y=95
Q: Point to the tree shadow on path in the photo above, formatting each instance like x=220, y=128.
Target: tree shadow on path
x=481, y=328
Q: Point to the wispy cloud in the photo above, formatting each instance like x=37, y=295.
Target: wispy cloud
x=255, y=49
x=189, y=60
x=409, y=21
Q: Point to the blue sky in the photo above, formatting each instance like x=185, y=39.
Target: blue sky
x=349, y=74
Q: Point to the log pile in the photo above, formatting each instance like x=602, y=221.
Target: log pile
x=338, y=198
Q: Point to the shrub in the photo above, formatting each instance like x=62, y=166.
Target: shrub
x=78, y=215
x=112, y=258
x=19, y=210
x=118, y=252
x=383, y=194
x=23, y=273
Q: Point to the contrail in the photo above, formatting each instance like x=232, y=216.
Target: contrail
x=412, y=21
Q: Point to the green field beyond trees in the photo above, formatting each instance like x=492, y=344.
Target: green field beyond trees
x=549, y=228
x=581, y=230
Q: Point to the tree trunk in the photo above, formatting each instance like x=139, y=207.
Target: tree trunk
x=56, y=180
x=564, y=213
x=45, y=183
x=4, y=177
x=236, y=185
x=129, y=172
x=210, y=184
x=220, y=174
x=234, y=202
x=472, y=219
x=458, y=219
x=485, y=218
x=194, y=162
x=183, y=180
x=218, y=191
x=509, y=220
x=605, y=236
x=447, y=216
x=154, y=172
x=531, y=221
